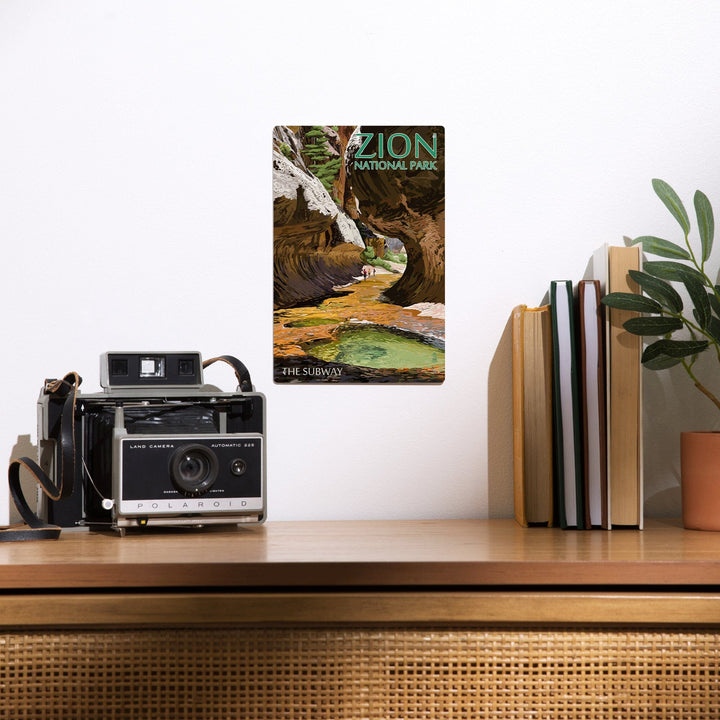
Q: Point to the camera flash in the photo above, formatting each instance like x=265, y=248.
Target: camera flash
x=152, y=367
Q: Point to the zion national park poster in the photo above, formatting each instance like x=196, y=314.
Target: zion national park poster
x=359, y=254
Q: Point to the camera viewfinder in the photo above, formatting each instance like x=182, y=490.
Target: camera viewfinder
x=119, y=367
x=186, y=367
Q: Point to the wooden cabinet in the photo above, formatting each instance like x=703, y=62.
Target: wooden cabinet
x=396, y=619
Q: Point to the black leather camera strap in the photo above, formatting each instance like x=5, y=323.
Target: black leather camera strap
x=241, y=372
x=34, y=528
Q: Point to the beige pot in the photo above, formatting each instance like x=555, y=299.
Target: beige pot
x=700, y=481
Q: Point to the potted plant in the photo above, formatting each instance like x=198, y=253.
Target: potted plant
x=664, y=315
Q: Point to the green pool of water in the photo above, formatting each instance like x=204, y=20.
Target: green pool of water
x=377, y=347
x=313, y=321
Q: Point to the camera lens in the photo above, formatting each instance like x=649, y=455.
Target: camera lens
x=193, y=469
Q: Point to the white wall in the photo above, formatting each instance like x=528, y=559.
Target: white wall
x=135, y=204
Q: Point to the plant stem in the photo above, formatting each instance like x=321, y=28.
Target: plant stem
x=708, y=394
x=693, y=328
x=701, y=267
x=700, y=386
x=692, y=254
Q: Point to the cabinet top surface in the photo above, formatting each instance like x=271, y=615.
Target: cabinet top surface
x=401, y=554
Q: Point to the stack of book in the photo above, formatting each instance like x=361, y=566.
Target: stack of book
x=577, y=405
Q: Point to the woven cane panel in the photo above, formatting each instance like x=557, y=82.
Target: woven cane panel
x=384, y=674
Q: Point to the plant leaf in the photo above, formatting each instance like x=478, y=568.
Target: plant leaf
x=714, y=303
x=652, y=325
x=699, y=297
x=673, y=348
x=663, y=248
x=673, y=203
x=714, y=329
x=661, y=362
x=631, y=301
x=658, y=290
x=706, y=222
x=669, y=270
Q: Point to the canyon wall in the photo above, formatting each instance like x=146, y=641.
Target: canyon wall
x=317, y=245
x=406, y=200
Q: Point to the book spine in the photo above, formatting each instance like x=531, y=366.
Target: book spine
x=566, y=408
x=625, y=397
x=592, y=372
x=518, y=416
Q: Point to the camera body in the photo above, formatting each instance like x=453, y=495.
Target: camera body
x=158, y=447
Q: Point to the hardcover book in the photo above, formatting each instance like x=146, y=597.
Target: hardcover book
x=623, y=388
x=570, y=491
x=625, y=397
x=592, y=372
x=359, y=254
x=532, y=375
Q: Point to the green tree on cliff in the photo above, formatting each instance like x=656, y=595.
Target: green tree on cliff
x=319, y=158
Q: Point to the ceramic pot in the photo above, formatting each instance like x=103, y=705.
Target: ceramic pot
x=700, y=480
